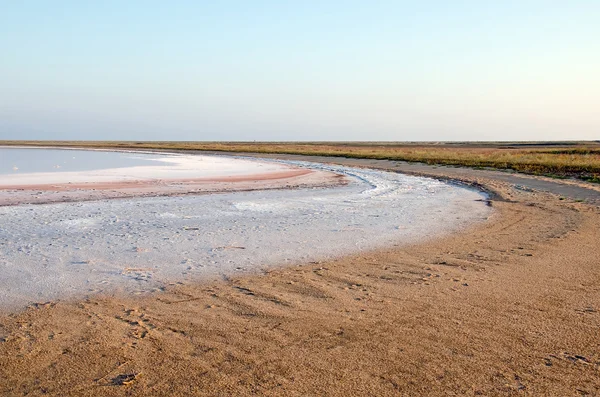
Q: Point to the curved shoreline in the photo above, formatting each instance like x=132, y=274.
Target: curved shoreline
x=157, y=181
x=63, y=251
x=574, y=189
x=505, y=307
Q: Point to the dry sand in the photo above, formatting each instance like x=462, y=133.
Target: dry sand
x=508, y=307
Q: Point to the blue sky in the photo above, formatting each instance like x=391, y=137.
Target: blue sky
x=300, y=70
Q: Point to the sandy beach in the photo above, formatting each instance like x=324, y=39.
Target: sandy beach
x=510, y=306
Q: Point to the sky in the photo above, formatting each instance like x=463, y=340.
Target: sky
x=300, y=70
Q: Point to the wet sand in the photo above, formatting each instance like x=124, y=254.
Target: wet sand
x=508, y=307
x=43, y=193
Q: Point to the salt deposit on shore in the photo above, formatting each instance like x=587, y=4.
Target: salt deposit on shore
x=136, y=245
x=172, y=167
x=162, y=175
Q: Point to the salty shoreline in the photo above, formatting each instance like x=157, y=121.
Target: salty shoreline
x=177, y=179
x=65, y=250
x=507, y=307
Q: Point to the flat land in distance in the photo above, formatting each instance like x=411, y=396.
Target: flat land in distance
x=579, y=160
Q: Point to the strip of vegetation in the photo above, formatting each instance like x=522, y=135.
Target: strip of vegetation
x=574, y=159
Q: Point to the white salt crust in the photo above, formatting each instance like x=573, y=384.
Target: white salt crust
x=60, y=251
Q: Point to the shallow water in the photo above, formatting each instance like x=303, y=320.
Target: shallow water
x=138, y=245
x=22, y=161
x=105, y=166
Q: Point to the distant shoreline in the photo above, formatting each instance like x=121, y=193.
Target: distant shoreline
x=577, y=159
x=154, y=181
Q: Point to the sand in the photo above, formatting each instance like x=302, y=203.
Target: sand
x=508, y=307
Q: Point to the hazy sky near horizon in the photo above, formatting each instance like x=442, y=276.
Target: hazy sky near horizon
x=300, y=70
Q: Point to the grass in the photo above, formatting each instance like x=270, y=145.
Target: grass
x=556, y=159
